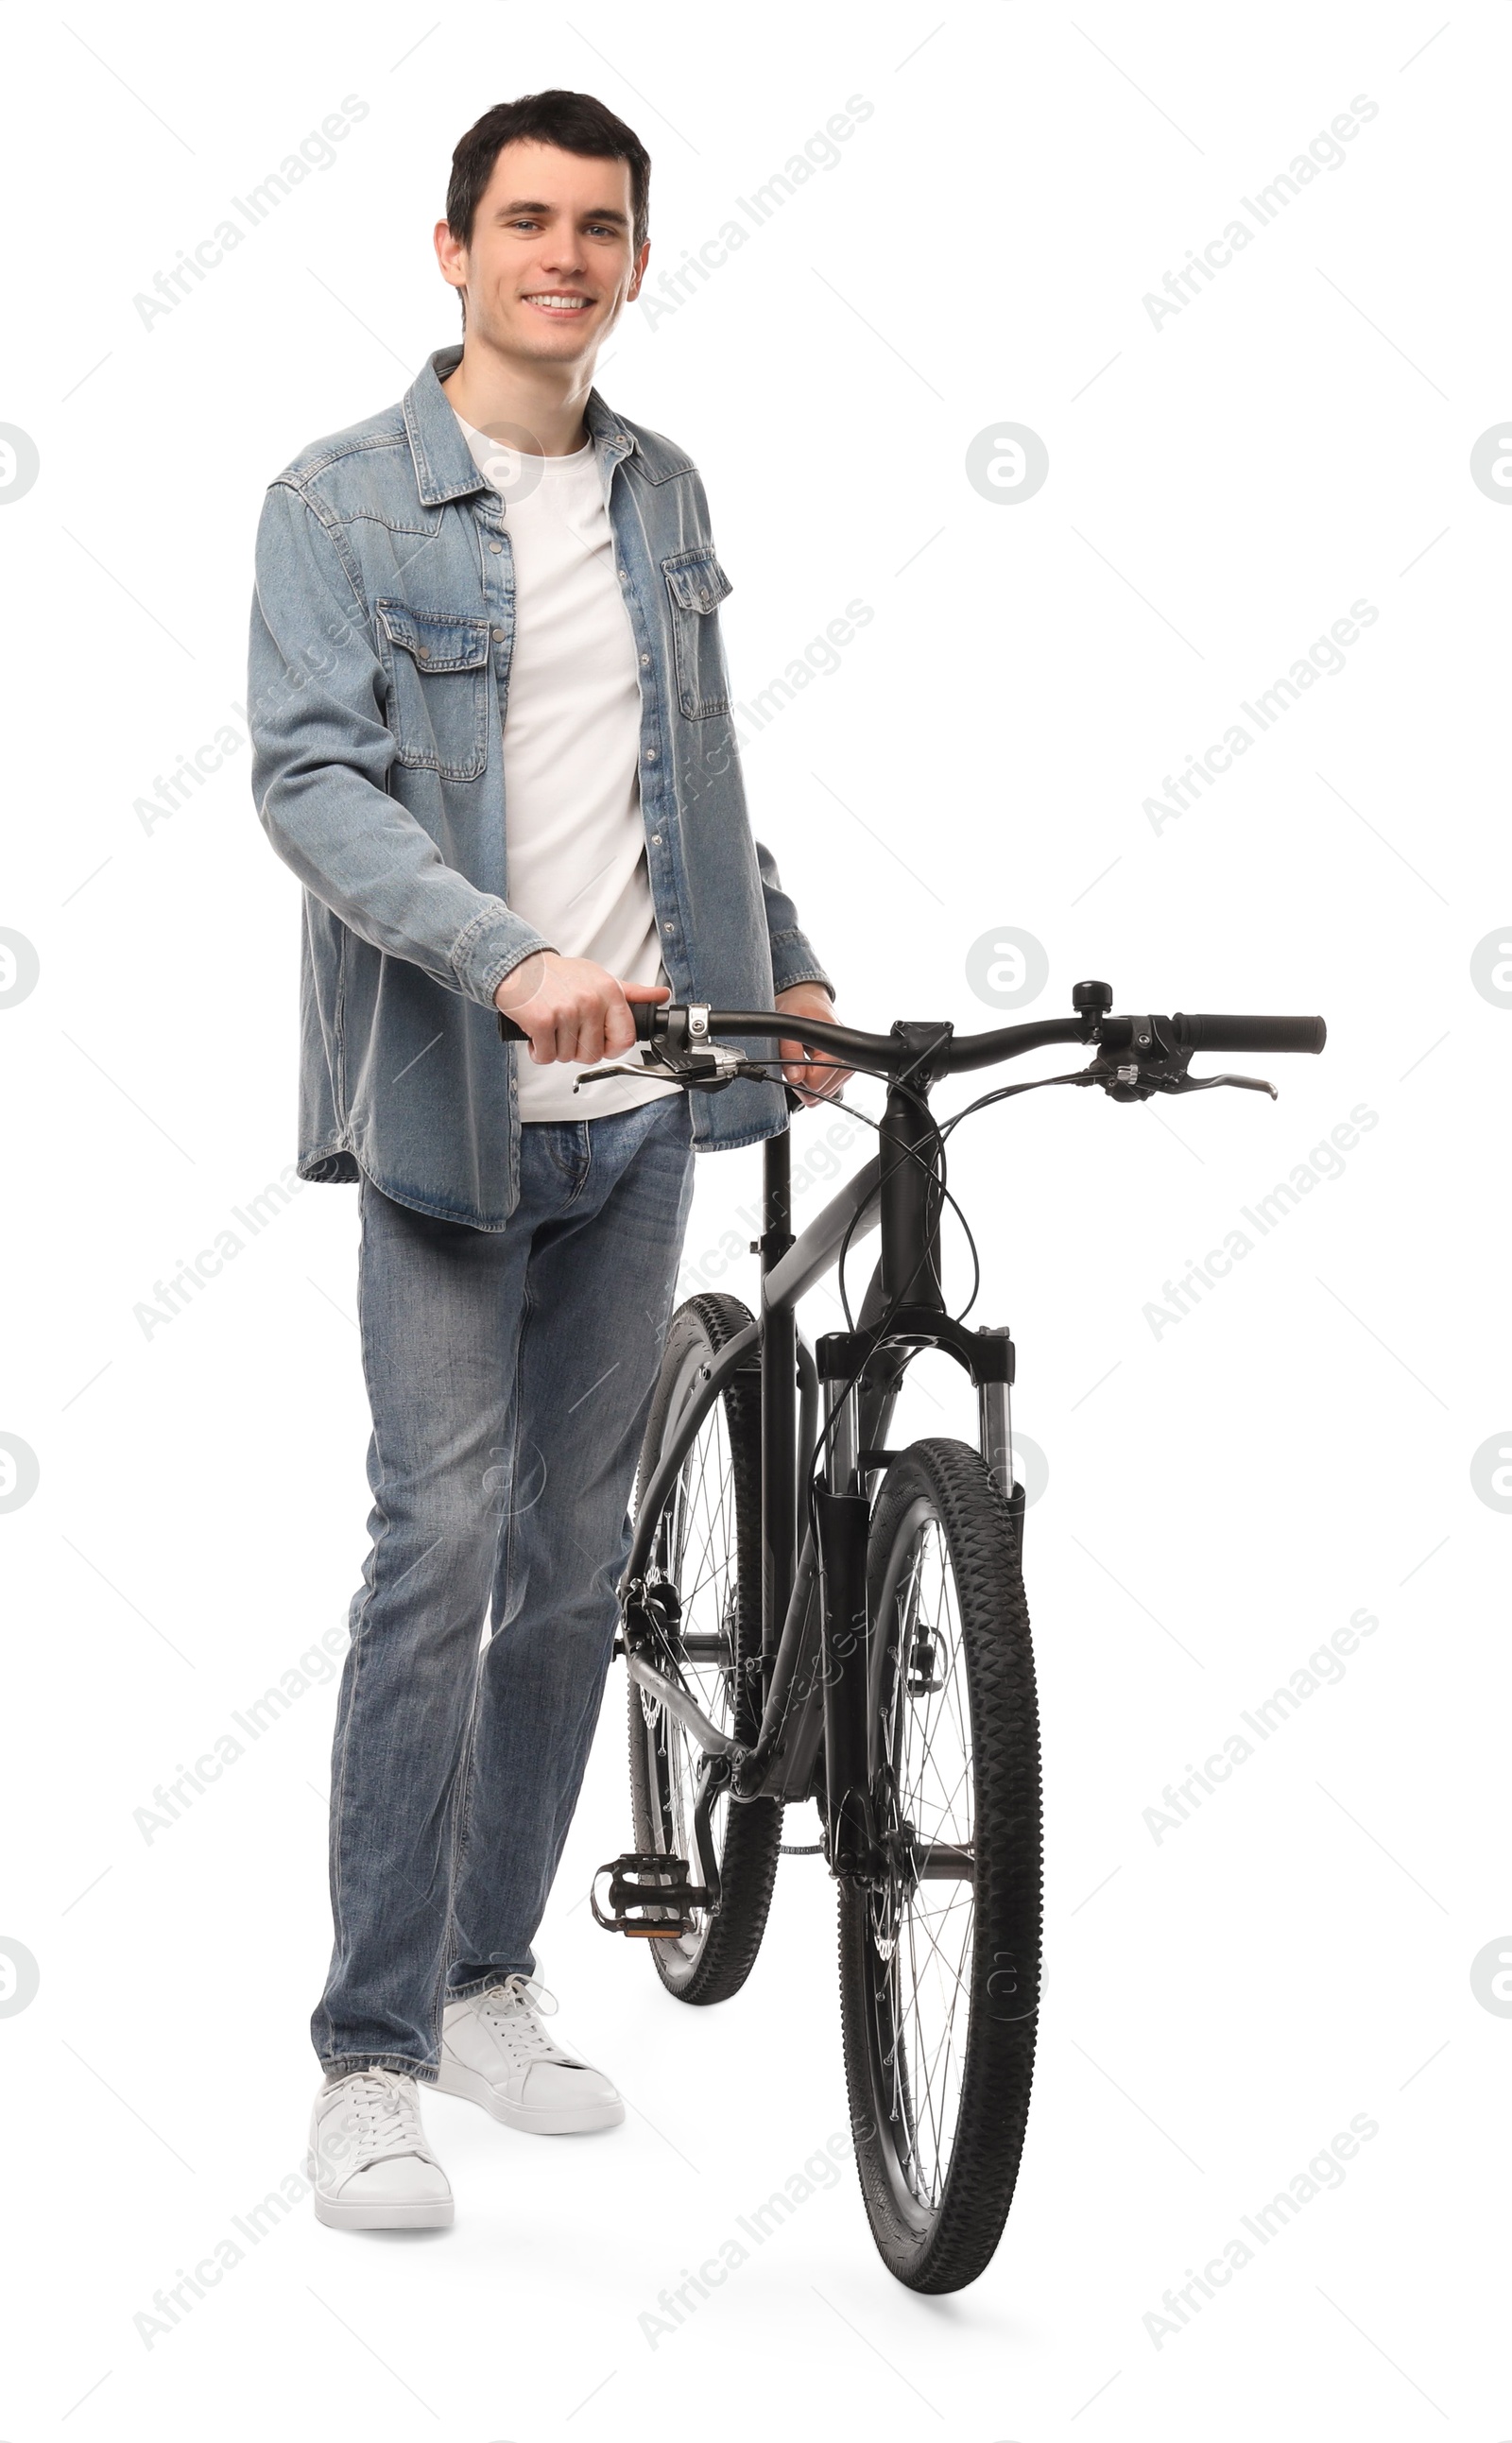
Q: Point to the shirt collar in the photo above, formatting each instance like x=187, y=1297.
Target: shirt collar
x=445, y=469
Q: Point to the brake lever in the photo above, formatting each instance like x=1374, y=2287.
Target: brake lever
x=1134, y=1081
x=1196, y=1085
x=710, y=1069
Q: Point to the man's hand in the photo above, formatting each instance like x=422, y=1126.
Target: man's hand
x=572, y=1009
x=812, y=1080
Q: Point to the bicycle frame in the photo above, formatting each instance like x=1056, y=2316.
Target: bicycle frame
x=818, y=1664
x=819, y=1675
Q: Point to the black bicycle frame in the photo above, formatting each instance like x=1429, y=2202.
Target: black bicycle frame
x=822, y=1670
x=819, y=1671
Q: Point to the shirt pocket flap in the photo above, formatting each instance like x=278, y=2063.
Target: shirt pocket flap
x=436, y=640
x=696, y=580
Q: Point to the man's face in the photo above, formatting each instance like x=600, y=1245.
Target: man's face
x=552, y=260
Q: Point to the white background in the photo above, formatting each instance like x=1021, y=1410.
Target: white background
x=1220, y=1498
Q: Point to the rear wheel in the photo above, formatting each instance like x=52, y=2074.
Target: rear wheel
x=706, y=1549
x=940, y=1954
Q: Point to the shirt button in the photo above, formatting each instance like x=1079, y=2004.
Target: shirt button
x=424, y=653
x=656, y=840
x=495, y=546
x=497, y=634
x=645, y=661
x=651, y=755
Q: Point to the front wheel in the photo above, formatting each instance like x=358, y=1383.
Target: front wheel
x=940, y=1951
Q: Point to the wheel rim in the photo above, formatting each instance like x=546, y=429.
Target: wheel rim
x=696, y=1551
x=921, y=1934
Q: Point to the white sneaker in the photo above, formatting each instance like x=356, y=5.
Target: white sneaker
x=368, y=2158
x=495, y=2052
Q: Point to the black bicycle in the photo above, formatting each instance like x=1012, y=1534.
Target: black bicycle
x=807, y=1613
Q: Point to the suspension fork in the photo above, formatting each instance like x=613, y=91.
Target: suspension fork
x=994, y=1405
x=779, y=1377
x=844, y=1515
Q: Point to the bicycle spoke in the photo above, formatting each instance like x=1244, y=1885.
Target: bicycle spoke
x=697, y=1552
x=929, y=1974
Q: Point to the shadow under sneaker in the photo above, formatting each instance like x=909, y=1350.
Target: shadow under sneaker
x=368, y=2158
x=495, y=2052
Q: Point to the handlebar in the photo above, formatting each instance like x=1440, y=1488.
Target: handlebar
x=666, y=1025
x=669, y=1023
x=661, y=1022
x=1157, y=1045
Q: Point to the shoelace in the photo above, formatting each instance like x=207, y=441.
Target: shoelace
x=387, y=2120
x=513, y=2010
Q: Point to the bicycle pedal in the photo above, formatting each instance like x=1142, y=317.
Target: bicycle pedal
x=649, y=1895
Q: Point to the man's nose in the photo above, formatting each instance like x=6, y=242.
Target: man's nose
x=561, y=253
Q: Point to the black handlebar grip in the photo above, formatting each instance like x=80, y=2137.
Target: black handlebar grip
x=1205, y=1033
x=640, y=1011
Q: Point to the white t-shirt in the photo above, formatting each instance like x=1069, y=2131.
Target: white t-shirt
x=574, y=833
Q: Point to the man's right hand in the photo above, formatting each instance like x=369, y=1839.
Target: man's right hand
x=572, y=1009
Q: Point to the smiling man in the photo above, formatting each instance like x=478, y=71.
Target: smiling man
x=492, y=739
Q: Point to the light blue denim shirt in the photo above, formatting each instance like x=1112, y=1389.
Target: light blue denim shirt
x=381, y=632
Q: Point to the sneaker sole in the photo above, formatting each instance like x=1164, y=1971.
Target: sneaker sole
x=454, y=2078
x=413, y=2215
x=403, y=2214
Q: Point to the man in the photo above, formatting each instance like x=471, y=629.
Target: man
x=492, y=739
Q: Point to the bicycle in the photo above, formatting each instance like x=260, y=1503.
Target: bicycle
x=808, y=1613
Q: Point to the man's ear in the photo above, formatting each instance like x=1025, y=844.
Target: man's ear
x=451, y=255
x=638, y=275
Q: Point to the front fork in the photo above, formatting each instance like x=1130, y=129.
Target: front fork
x=842, y=1511
x=995, y=1415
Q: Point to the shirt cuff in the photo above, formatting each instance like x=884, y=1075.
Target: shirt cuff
x=491, y=948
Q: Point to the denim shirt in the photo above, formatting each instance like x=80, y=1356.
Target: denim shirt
x=381, y=632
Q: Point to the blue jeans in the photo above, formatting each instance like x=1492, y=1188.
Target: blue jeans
x=509, y=1376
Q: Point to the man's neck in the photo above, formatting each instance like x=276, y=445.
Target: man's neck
x=545, y=401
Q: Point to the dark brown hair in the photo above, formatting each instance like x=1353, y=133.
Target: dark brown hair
x=575, y=122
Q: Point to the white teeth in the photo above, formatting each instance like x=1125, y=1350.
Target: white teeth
x=557, y=304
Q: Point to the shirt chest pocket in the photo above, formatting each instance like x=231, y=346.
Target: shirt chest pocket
x=436, y=664
x=697, y=585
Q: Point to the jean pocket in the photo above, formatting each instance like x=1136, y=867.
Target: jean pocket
x=697, y=586
x=437, y=667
